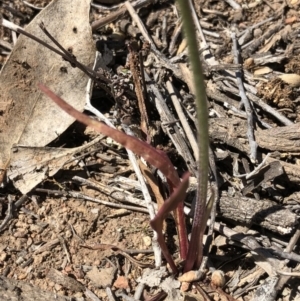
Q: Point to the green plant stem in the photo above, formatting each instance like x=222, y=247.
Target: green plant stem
x=195, y=252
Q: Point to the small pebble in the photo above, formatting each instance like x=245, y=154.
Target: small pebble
x=147, y=241
x=29, y=241
x=20, y=260
x=3, y=256
x=57, y=287
x=218, y=278
x=68, y=234
x=257, y=32
x=185, y=286
x=20, y=234
x=22, y=276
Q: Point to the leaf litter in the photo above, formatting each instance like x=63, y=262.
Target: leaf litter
x=45, y=220
x=31, y=165
x=28, y=118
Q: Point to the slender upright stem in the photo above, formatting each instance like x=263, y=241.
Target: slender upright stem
x=195, y=251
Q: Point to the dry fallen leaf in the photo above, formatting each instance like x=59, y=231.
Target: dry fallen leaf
x=31, y=165
x=28, y=117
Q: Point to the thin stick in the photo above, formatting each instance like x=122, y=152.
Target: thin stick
x=293, y=241
x=175, y=36
x=197, y=23
x=255, y=171
x=93, y=297
x=246, y=103
x=269, y=109
x=115, y=15
x=99, y=78
x=148, y=200
x=172, y=131
x=163, y=60
x=110, y=294
x=9, y=214
x=234, y=4
x=117, y=193
x=32, y=6
x=78, y=195
x=183, y=119
x=139, y=24
x=63, y=244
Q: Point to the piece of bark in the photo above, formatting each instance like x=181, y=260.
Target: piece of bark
x=292, y=170
x=284, y=139
x=267, y=173
x=264, y=213
x=229, y=131
x=64, y=280
x=12, y=290
x=233, y=133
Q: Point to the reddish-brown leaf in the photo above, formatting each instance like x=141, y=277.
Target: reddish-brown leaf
x=169, y=205
x=141, y=148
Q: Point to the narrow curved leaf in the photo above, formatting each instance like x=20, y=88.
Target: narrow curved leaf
x=169, y=205
x=141, y=148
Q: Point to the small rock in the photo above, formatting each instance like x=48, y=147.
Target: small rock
x=189, y=276
x=218, y=278
x=185, y=286
x=95, y=211
x=20, y=224
x=51, y=284
x=20, y=260
x=68, y=234
x=57, y=287
x=79, y=274
x=78, y=295
x=20, y=234
x=38, y=260
x=68, y=269
x=3, y=256
x=29, y=242
x=147, y=241
x=35, y=228
x=102, y=277
x=121, y=283
x=291, y=79
x=22, y=276
x=20, y=243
